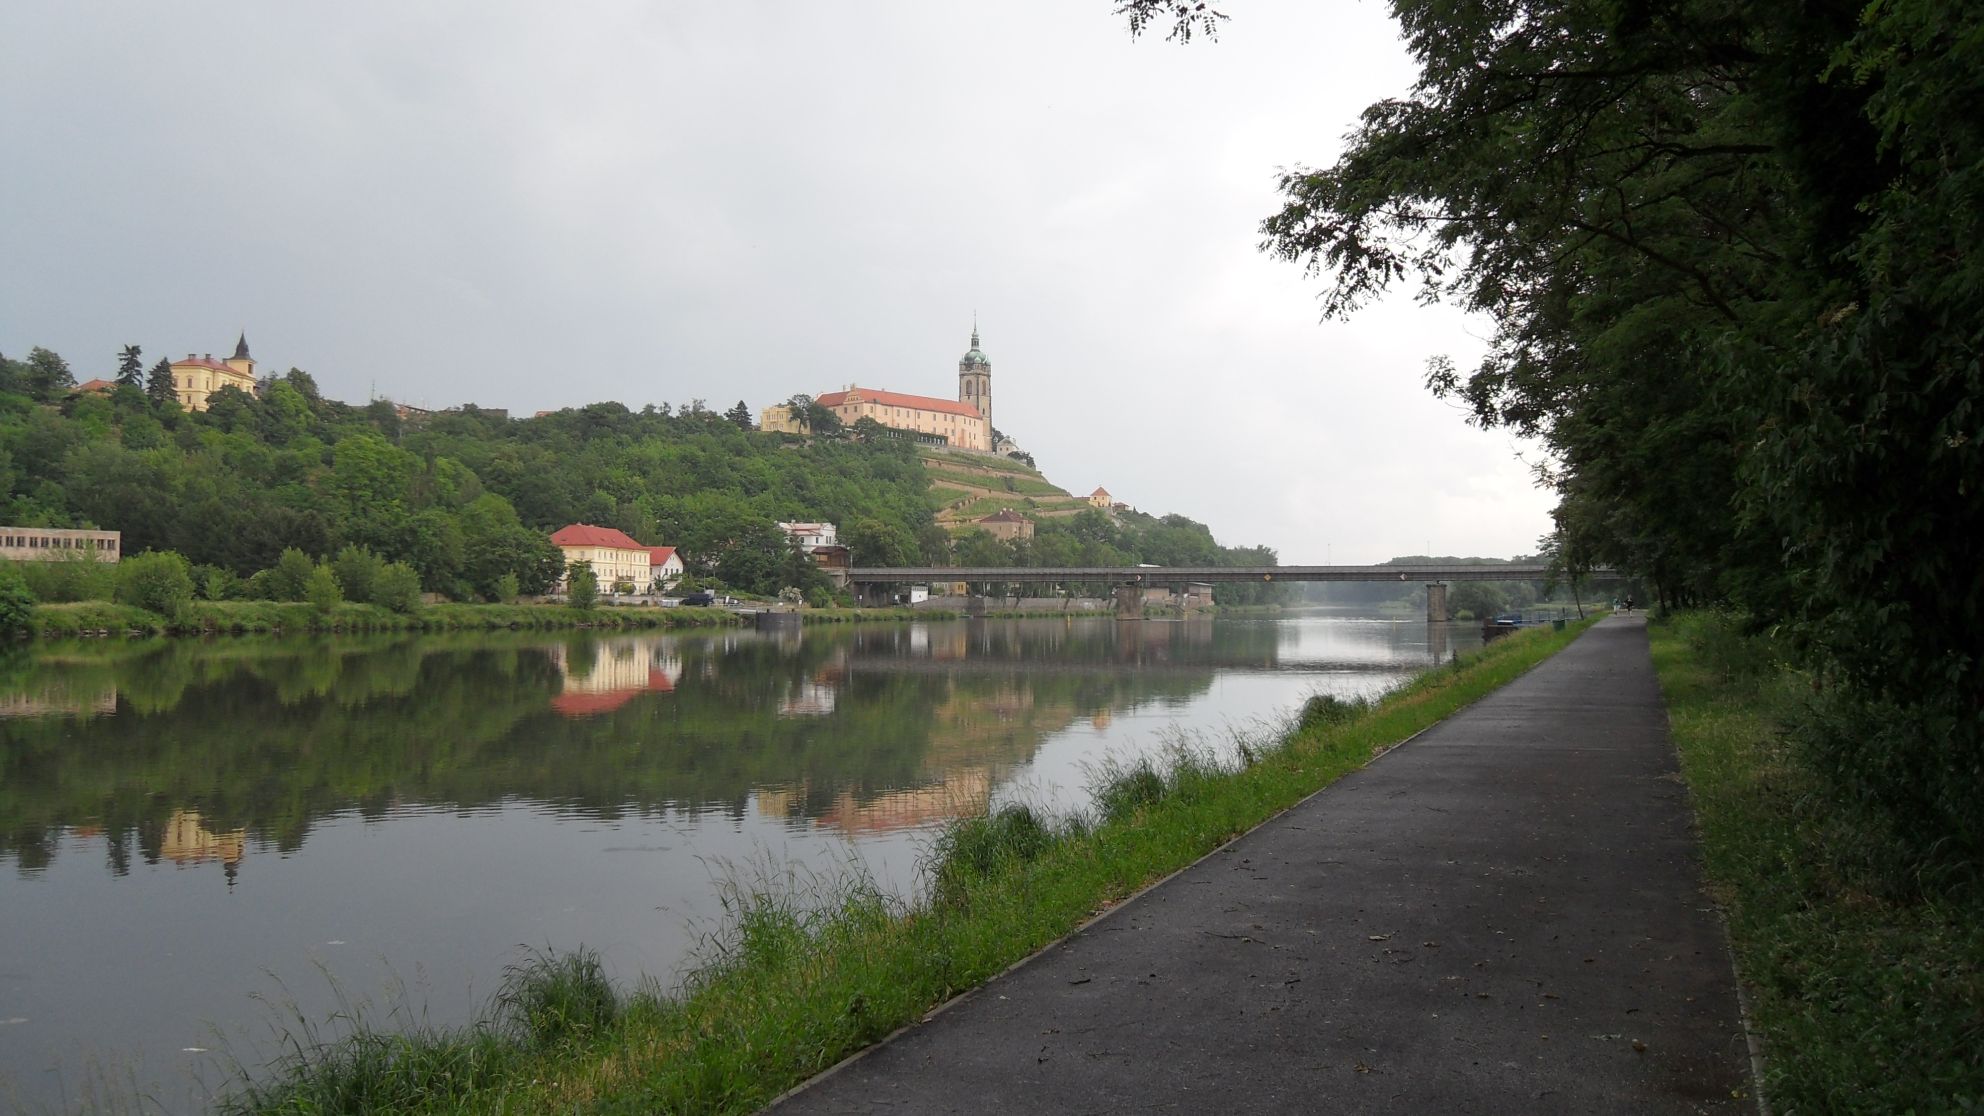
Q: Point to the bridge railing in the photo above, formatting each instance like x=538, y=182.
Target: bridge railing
x=1178, y=575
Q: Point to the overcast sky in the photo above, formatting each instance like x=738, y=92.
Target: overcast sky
x=535, y=206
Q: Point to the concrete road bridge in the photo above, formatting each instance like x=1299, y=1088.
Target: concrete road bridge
x=1131, y=582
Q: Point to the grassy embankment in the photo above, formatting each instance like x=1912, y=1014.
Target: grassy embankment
x=263, y=617
x=1866, y=978
x=797, y=982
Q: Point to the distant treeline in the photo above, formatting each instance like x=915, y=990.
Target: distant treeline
x=465, y=499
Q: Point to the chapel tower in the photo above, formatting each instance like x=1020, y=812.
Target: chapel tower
x=975, y=380
x=241, y=362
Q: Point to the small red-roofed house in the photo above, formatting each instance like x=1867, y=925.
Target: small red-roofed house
x=1100, y=498
x=664, y=567
x=96, y=387
x=620, y=563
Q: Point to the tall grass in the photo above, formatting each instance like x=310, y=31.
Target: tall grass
x=1865, y=972
x=793, y=982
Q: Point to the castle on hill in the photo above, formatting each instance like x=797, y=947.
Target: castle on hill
x=965, y=422
x=197, y=378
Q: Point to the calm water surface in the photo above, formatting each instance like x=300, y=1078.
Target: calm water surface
x=203, y=842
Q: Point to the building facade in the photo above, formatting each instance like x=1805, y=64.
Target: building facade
x=196, y=379
x=664, y=567
x=620, y=563
x=810, y=535
x=54, y=544
x=1007, y=524
x=965, y=422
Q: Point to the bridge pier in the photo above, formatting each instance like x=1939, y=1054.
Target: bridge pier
x=1436, y=602
x=1129, y=602
x=975, y=605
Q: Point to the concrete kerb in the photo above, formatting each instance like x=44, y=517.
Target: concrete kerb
x=1097, y=919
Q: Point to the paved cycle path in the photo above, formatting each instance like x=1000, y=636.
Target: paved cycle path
x=1503, y=916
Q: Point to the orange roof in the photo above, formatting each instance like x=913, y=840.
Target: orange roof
x=96, y=385
x=1099, y=492
x=659, y=555
x=897, y=399
x=585, y=534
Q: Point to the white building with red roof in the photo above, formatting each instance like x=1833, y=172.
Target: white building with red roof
x=964, y=422
x=620, y=563
x=664, y=567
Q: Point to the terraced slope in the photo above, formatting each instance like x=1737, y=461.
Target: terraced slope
x=967, y=487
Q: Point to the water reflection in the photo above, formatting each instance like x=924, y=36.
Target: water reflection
x=437, y=800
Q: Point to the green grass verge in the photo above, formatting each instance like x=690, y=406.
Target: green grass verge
x=55, y=621
x=1866, y=983
x=797, y=982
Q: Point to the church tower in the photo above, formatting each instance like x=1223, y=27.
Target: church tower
x=975, y=380
x=241, y=362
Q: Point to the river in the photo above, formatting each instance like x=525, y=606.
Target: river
x=206, y=846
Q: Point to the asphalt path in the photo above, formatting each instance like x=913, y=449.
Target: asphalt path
x=1505, y=915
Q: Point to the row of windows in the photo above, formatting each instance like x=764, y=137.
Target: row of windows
x=48, y=542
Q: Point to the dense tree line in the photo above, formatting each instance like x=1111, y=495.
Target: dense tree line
x=258, y=484
x=1731, y=257
x=466, y=499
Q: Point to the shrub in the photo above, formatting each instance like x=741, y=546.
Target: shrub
x=358, y=573
x=72, y=577
x=322, y=590
x=581, y=585
x=16, y=603
x=289, y=578
x=1327, y=709
x=158, y=580
x=507, y=588
x=397, y=587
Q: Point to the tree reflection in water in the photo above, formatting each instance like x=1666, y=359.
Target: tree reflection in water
x=173, y=747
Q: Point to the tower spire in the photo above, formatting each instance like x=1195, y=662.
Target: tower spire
x=241, y=347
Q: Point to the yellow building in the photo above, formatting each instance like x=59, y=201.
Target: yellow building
x=197, y=378
x=1100, y=498
x=965, y=422
x=616, y=559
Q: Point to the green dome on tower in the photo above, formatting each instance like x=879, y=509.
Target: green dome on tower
x=974, y=358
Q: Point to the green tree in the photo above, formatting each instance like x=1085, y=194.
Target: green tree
x=130, y=366
x=158, y=580
x=741, y=416
x=321, y=588
x=1734, y=287
x=289, y=579
x=398, y=588
x=48, y=375
x=581, y=585
x=16, y=604
x=158, y=385
x=358, y=571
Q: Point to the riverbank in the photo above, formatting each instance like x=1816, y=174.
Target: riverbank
x=203, y=618
x=1866, y=982
x=798, y=981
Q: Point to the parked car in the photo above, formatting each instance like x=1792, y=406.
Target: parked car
x=701, y=598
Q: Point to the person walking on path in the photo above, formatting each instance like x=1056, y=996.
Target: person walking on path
x=1504, y=915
